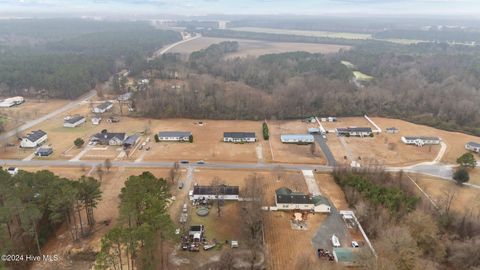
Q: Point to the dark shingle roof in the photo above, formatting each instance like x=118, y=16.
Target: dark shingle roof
x=285, y=195
x=104, y=105
x=180, y=134
x=474, y=144
x=354, y=129
x=131, y=140
x=425, y=138
x=74, y=119
x=239, y=135
x=108, y=136
x=36, y=135
x=212, y=190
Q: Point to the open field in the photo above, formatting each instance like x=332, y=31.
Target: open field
x=293, y=152
x=455, y=141
x=383, y=148
x=362, y=77
x=331, y=190
x=304, y=33
x=257, y=47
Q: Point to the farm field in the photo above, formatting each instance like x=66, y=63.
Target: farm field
x=256, y=47
x=292, y=152
x=304, y=32
x=362, y=77
x=383, y=148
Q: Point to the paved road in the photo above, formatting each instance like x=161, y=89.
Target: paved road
x=48, y=116
x=326, y=150
x=171, y=46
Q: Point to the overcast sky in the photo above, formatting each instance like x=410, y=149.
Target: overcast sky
x=202, y=7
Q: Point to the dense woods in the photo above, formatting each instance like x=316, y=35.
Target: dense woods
x=69, y=57
x=433, y=84
x=34, y=205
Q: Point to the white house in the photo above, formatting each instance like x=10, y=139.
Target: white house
x=10, y=102
x=421, y=140
x=297, y=138
x=104, y=107
x=286, y=199
x=473, y=146
x=74, y=121
x=109, y=138
x=96, y=120
x=239, y=137
x=174, y=136
x=34, y=139
x=354, y=131
x=222, y=192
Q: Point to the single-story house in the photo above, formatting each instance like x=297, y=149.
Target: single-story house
x=421, y=140
x=314, y=130
x=473, y=146
x=74, y=121
x=109, y=138
x=34, y=139
x=297, y=138
x=44, y=151
x=104, y=107
x=10, y=102
x=125, y=97
x=286, y=199
x=239, y=137
x=174, y=136
x=223, y=192
x=354, y=131
x=392, y=130
x=131, y=140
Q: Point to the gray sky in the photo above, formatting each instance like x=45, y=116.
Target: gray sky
x=202, y=7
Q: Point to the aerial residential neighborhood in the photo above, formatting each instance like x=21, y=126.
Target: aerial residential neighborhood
x=265, y=135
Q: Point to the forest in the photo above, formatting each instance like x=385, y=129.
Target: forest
x=65, y=64
x=429, y=84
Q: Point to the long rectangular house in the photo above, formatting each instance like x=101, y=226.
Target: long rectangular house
x=104, y=107
x=174, y=136
x=34, y=139
x=74, y=121
x=297, y=138
x=354, y=131
x=473, y=146
x=222, y=192
x=286, y=199
x=420, y=140
x=239, y=137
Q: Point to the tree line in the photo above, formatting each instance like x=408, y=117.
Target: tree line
x=34, y=205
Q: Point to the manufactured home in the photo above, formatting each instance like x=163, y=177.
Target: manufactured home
x=239, y=137
x=73, y=121
x=222, y=192
x=286, y=199
x=354, y=131
x=392, y=130
x=297, y=138
x=421, y=140
x=34, y=139
x=104, y=107
x=174, y=136
x=10, y=102
x=473, y=146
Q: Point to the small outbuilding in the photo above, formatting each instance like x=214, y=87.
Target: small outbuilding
x=73, y=121
x=44, y=151
x=104, y=107
x=392, y=130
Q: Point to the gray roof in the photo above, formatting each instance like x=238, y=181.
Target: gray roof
x=318, y=199
x=391, y=128
x=74, y=119
x=131, y=140
x=104, y=105
x=424, y=138
x=285, y=195
x=474, y=144
x=354, y=129
x=214, y=190
x=179, y=134
x=239, y=135
x=44, y=150
x=126, y=96
x=302, y=137
x=109, y=135
x=36, y=135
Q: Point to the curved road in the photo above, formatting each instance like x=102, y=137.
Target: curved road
x=171, y=46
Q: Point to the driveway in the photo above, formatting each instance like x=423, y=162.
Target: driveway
x=325, y=149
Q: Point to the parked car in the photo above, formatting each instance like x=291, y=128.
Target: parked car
x=180, y=185
x=12, y=171
x=355, y=244
x=200, y=162
x=184, y=161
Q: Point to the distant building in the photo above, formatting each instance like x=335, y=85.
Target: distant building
x=286, y=199
x=354, y=131
x=125, y=97
x=473, y=146
x=421, y=140
x=222, y=192
x=297, y=138
x=44, y=151
x=104, y=107
x=34, y=139
x=74, y=121
x=392, y=130
x=239, y=137
x=174, y=136
x=109, y=138
x=10, y=102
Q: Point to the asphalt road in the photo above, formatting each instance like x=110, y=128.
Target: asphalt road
x=171, y=46
x=325, y=149
x=48, y=116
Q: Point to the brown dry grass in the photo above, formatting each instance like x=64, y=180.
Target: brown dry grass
x=331, y=190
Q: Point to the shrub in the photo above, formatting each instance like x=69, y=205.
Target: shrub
x=461, y=176
x=266, y=133
x=79, y=142
x=156, y=138
x=190, y=139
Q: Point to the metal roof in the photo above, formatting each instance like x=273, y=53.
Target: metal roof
x=36, y=135
x=74, y=119
x=354, y=129
x=239, y=135
x=474, y=144
x=297, y=137
x=214, y=190
x=104, y=105
x=179, y=134
x=44, y=150
x=423, y=138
